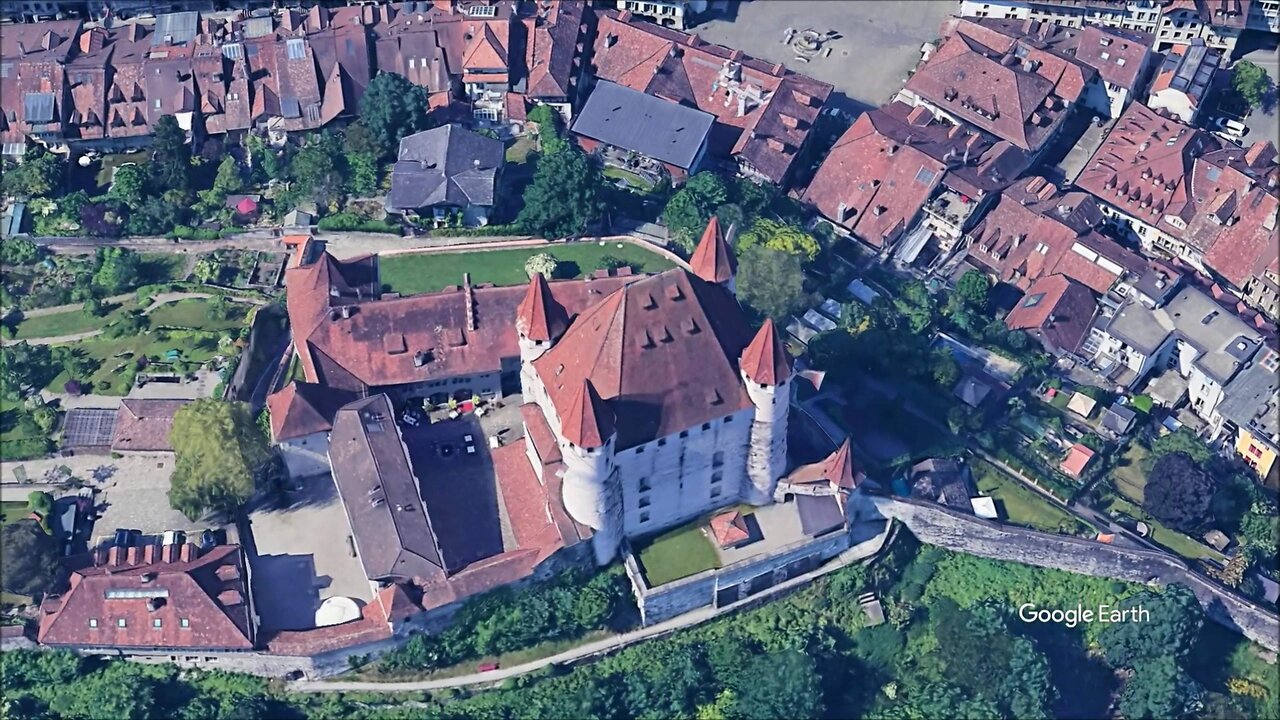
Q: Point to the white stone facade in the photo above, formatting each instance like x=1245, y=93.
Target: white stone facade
x=307, y=455
x=767, y=449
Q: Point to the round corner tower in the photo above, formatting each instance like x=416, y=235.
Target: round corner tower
x=766, y=370
x=592, y=495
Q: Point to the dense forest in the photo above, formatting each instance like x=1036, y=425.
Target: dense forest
x=953, y=646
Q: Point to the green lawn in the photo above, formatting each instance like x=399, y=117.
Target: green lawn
x=1172, y=540
x=194, y=313
x=11, y=511
x=410, y=274
x=161, y=267
x=676, y=554
x=117, y=357
x=1128, y=475
x=68, y=323
x=1021, y=505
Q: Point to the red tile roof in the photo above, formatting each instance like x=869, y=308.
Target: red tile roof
x=661, y=351
x=1011, y=88
x=730, y=528
x=837, y=469
x=1034, y=231
x=1118, y=55
x=109, y=604
x=1077, y=460
x=550, y=49
x=144, y=425
x=713, y=260
x=1057, y=310
x=442, y=334
x=766, y=360
x=585, y=421
x=539, y=317
x=302, y=408
x=765, y=137
x=1246, y=248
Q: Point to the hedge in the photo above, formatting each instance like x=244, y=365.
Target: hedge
x=353, y=222
x=485, y=231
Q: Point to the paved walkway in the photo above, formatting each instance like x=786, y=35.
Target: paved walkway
x=70, y=307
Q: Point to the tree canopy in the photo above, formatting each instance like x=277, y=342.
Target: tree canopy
x=771, y=282
x=564, y=196
x=1178, y=493
x=1251, y=83
x=973, y=288
x=39, y=174
x=1130, y=644
x=118, y=269
x=31, y=558
x=687, y=212
x=218, y=450
x=782, y=237
x=1158, y=689
x=23, y=366
x=129, y=184
x=170, y=166
x=391, y=108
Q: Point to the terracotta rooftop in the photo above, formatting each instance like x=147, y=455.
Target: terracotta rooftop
x=837, y=470
x=550, y=41
x=766, y=360
x=1057, y=309
x=1034, y=231
x=1077, y=460
x=539, y=317
x=730, y=528
x=585, y=421
x=302, y=408
x=662, y=353
x=144, y=425
x=183, y=602
x=764, y=133
x=713, y=260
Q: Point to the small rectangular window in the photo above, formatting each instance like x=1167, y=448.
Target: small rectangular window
x=120, y=623
x=684, y=433
x=644, y=484
x=728, y=419
x=706, y=427
x=93, y=622
x=640, y=450
x=184, y=622
x=156, y=623
x=644, y=518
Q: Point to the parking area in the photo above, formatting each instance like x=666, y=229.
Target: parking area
x=136, y=496
x=875, y=43
x=301, y=554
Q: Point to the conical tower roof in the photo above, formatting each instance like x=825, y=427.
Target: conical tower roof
x=539, y=316
x=587, y=422
x=838, y=467
x=713, y=260
x=765, y=359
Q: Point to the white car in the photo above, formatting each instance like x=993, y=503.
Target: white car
x=1231, y=127
x=409, y=419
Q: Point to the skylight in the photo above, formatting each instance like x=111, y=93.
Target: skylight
x=1033, y=300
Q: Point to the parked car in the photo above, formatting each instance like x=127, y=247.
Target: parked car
x=1230, y=126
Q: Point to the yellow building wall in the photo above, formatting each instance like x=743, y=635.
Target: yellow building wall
x=1256, y=453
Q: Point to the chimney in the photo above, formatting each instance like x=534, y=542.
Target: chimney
x=113, y=556
x=878, y=211
x=149, y=554
x=469, y=300
x=187, y=552
x=346, y=312
x=131, y=555
x=693, y=40
x=624, y=16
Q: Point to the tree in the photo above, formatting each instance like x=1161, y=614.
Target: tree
x=26, y=366
x=789, y=239
x=1178, y=493
x=128, y=184
x=102, y=219
x=132, y=322
x=611, y=262
x=1183, y=440
x=563, y=198
x=229, y=179
x=943, y=368
x=118, y=269
x=1176, y=619
x=218, y=450
x=45, y=418
x=39, y=175
x=973, y=288
x=544, y=263
x=1251, y=83
x=122, y=691
x=362, y=173
x=315, y=169
x=31, y=559
x=1259, y=529
x=1158, y=689
x=689, y=209
x=779, y=685
x=771, y=282
x=170, y=166
x=391, y=108
x=19, y=251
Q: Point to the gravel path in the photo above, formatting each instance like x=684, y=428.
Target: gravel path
x=156, y=302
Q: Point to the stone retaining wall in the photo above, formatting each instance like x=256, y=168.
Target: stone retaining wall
x=967, y=534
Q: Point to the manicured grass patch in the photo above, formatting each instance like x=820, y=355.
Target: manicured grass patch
x=1128, y=475
x=520, y=149
x=194, y=313
x=20, y=437
x=1060, y=400
x=118, y=357
x=71, y=322
x=410, y=274
x=633, y=180
x=1021, y=505
x=162, y=267
x=1172, y=540
x=676, y=554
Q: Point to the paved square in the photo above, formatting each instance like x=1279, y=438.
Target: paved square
x=879, y=40
x=301, y=554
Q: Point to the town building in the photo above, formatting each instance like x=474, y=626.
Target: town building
x=1056, y=311
x=1184, y=80
x=1189, y=197
x=642, y=134
x=163, y=603
x=764, y=112
x=1034, y=231
x=946, y=481
x=449, y=173
x=1218, y=23
x=1206, y=344
x=667, y=13
x=1250, y=414
x=899, y=171
x=142, y=426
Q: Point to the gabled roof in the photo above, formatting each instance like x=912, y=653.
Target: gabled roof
x=656, y=128
x=302, y=408
x=1077, y=460
x=539, y=316
x=730, y=528
x=143, y=425
x=1057, y=308
x=486, y=51
x=837, y=470
x=713, y=260
x=448, y=165
x=766, y=360
x=585, y=421
x=201, y=603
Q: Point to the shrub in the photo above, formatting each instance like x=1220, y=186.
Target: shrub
x=354, y=223
x=1142, y=403
x=544, y=263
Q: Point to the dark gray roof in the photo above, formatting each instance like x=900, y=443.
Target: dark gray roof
x=175, y=28
x=1252, y=399
x=448, y=165
x=819, y=514
x=37, y=107
x=651, y=126
x=1118, y=419
x=393, y=534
